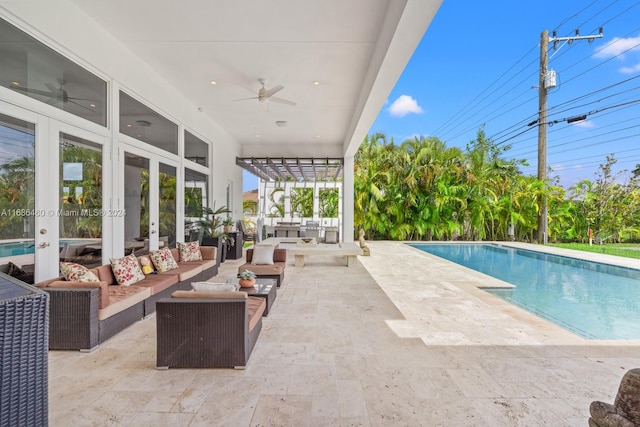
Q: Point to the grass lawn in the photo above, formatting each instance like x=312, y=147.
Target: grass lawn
x=629, y=250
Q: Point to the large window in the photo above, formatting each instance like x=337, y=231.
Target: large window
x=195, y=199
x=32, y=69
x=167, y=205
x=196, y=149
x=80, y=201
x=17, y=197
x=141, y=122
x=136, y=203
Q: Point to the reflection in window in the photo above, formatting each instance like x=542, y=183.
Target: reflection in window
x=136, y=204
x=17, y=197
x=167, y=211
x=80, y=201
x=195, y=198
x=141, y=122
x=196, y=149
x=33, y=69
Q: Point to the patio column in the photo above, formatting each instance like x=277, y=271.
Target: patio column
x=347, y=231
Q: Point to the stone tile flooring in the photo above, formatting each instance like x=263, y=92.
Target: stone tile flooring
x=401, y=339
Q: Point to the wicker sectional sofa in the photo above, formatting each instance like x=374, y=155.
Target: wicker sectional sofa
x=83, y=315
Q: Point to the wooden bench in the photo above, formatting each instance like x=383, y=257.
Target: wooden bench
x=348, y=250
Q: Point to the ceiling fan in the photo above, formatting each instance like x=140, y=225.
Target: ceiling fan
x=56, y=95
x=266, y=95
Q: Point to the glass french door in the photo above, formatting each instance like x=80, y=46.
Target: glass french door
x=150, y=202
x=50, y=195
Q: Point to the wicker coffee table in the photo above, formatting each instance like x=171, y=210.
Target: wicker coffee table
x=264, y=288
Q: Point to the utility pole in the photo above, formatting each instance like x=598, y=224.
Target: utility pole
x=542, y=134
x=544, y=83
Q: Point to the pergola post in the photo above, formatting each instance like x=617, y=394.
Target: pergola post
x=347, y=231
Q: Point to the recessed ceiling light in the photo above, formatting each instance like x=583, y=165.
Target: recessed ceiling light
x=92, y=105
x=129, y=125
x=139, y=136
x=257, y=135
x=15, y=83
x=317, y=136
x=213, y=82
x=316, y=83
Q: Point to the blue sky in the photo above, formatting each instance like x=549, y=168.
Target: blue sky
x=477, y=65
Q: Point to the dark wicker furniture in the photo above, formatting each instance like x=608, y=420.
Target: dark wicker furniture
x=275, y=271
x=23, y=354
x=81, y=320
x=264, y=288
x=205, y=333
x=74, y=323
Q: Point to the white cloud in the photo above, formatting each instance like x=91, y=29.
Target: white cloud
x=617, y=46
x=403, y=106
x=630, y=70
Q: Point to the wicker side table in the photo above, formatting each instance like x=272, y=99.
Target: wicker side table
x=24, y=343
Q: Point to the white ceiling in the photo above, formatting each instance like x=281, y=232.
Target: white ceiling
x=355, y=49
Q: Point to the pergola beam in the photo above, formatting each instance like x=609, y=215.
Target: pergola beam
x=275, y=168
x=296, y=169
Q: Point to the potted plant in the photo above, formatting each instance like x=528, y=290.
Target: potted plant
x=227, y=225
x=209, y=224
x=247, y=279
x=211, y=219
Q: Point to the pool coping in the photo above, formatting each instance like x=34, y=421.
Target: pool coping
x=454, y=285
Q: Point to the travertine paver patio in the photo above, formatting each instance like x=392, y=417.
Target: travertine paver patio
x=402, y=339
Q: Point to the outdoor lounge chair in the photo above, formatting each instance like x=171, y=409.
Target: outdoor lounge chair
x=247, y=236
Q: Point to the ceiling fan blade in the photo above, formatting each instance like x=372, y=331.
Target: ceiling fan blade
x=281, y=100
x=244, y=99
x=35, y=91
x=82, y=99
x=269, y=93
x=52, y=88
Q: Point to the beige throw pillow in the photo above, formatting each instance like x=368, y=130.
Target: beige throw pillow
x=263, y=255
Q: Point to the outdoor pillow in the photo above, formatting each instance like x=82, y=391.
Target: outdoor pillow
x=163, y=260
x=189, y=251
x=126, y=270
x=19, y=273
x=263, y=255
x=74, y=272
x=213, y=287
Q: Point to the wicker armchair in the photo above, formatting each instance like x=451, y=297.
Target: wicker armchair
x=205, y=330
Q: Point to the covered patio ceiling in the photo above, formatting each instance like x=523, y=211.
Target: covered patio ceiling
x=336, y=60
x=293, y=169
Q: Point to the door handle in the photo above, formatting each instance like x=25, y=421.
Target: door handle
x=43, y=245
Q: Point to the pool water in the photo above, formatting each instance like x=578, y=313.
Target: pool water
x=593, y=300
x=17, y=248
x=28, y=247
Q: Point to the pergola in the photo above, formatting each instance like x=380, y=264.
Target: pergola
x=293, y=169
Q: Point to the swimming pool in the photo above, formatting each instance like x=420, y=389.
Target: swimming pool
x=593, y=300
x=26, y=247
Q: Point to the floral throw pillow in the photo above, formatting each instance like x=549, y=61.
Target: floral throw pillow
x=126, y=270
x=189, y=251
x=73, y=272
x=163, y=260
